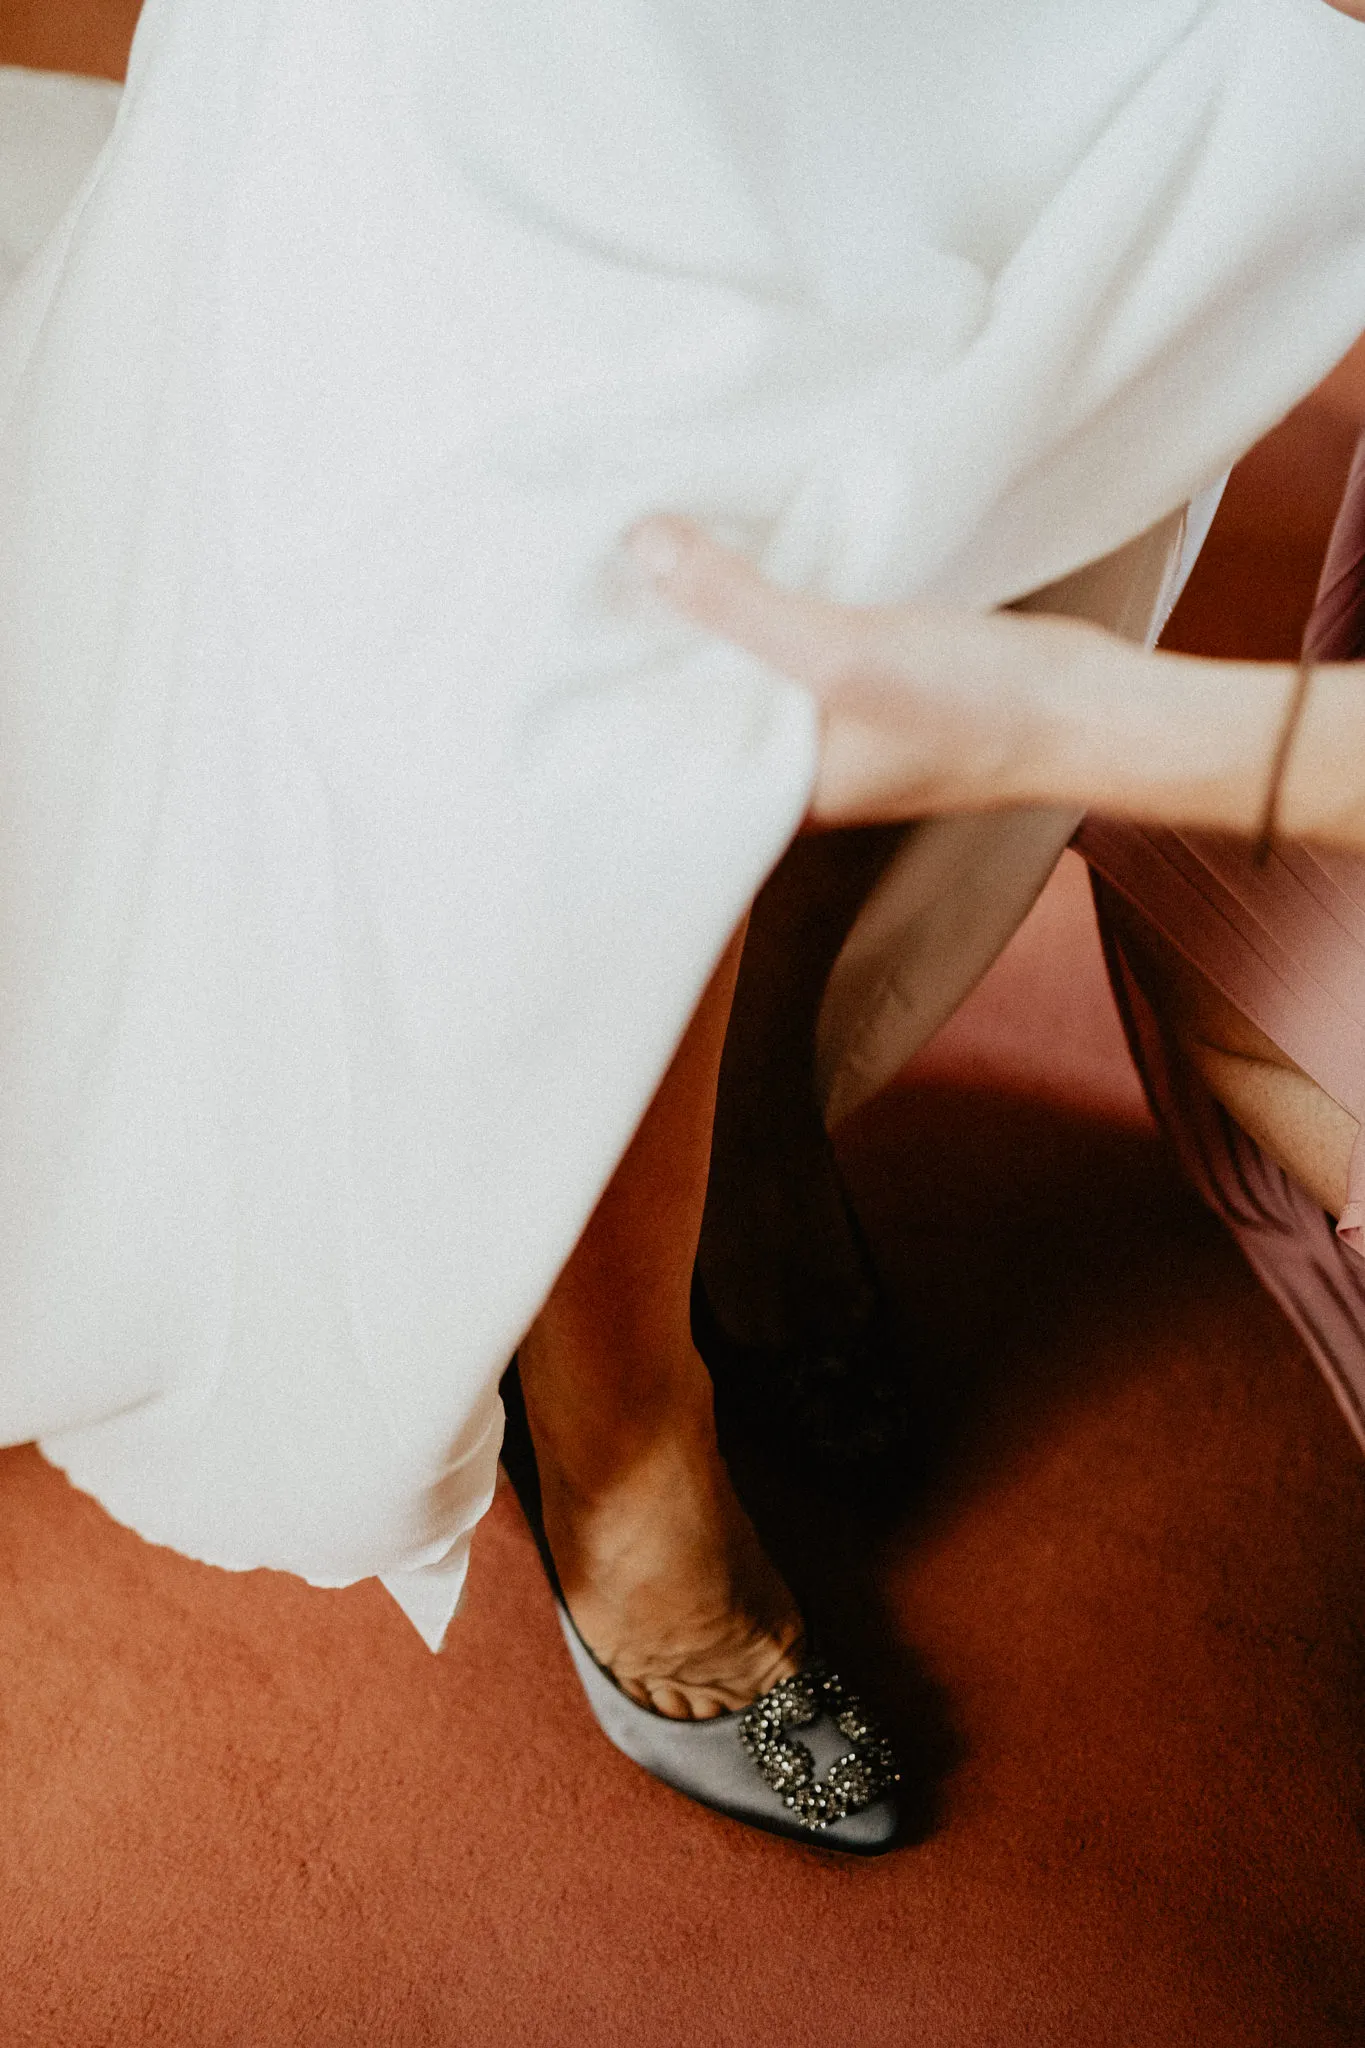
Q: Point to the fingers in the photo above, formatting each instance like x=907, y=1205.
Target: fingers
x=813, y=642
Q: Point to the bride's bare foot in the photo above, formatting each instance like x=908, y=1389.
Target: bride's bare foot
x=661, y=1568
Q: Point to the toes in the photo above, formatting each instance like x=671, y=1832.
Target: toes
x=680, y=1702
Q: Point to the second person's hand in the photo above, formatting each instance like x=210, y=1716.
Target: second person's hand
x=924, y=709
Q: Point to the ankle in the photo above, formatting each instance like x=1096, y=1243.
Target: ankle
x=635, y=1470
x=617, y=1431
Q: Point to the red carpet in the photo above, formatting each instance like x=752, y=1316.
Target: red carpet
x=1117, y=1618
x=1119, y=1623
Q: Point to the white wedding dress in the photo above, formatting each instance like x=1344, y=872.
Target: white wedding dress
x=367, y=835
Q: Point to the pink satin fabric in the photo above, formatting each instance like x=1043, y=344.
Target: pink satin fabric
x=1286, y=944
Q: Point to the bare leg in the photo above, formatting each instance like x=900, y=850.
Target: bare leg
x=776, y=1253
x=1290, y=1117
x=661, y=1567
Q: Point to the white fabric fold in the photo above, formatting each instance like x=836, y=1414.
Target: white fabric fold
x=367, y=838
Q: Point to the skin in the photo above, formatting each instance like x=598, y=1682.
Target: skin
x=925, y=710
x=661, y=1567
x=775, y=1250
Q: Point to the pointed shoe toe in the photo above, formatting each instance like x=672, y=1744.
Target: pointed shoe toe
x=804, y=1761
x=832, y=1788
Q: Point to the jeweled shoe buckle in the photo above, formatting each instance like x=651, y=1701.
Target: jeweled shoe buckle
x=853, y=1781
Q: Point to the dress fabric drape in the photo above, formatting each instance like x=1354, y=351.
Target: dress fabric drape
x=368, y=837
x=1286, y=944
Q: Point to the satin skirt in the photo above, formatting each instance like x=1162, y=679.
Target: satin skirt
x=1285, y=943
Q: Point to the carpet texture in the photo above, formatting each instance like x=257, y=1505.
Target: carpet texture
x=1115, y=1614
x=1116, y=1617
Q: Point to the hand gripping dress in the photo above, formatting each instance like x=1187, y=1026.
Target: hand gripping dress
x=366, y=836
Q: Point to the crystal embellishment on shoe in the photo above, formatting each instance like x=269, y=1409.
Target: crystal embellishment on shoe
x=852, y=1783
x=713, y=1761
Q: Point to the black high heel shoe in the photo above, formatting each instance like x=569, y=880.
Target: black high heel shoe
x=839, y=1405
x=832, y=1788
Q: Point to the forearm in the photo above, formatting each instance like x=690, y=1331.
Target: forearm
x=927, y=710
x=1156, y=736
x=1175, y=738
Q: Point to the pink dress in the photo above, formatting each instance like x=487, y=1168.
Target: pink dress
x=1286, y=944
